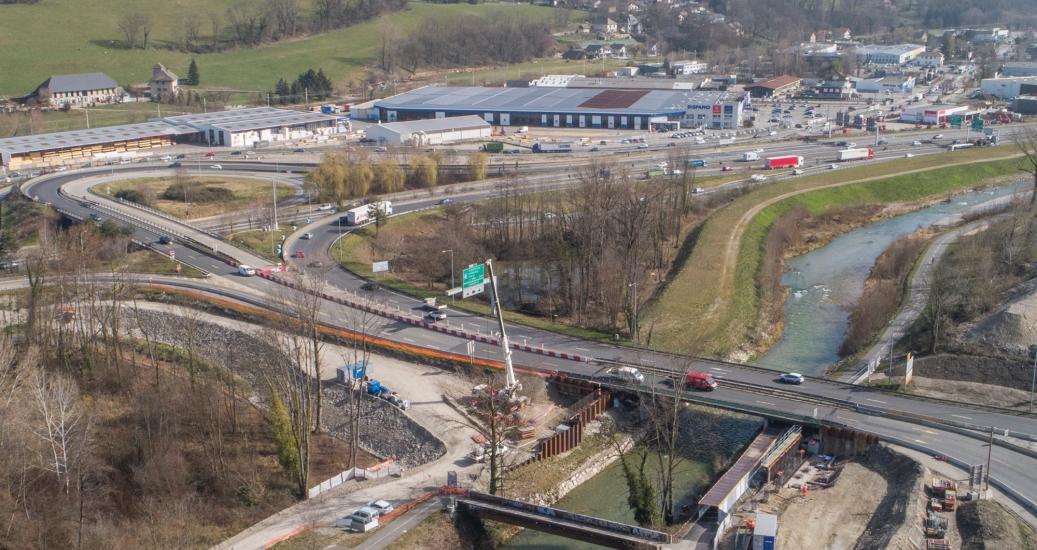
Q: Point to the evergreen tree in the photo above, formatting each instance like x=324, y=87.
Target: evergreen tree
x=282, y=91
x=323, y=83
x=192, y=74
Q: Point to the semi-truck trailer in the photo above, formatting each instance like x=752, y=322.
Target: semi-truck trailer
x=789, y=161
x=855, y=154
x=364, y=214
x=565, y=147
x=749, y=156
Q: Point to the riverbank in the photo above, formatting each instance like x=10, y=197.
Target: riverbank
x=712, y=303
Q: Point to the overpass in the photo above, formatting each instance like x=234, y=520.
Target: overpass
x=556, y=521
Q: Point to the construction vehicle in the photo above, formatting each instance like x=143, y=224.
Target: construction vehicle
x=937, y=544
x=944, y=495
x=935, y=526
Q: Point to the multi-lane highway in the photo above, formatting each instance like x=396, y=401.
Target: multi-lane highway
x=951, y=429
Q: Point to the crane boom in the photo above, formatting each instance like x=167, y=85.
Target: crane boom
x=510, y=382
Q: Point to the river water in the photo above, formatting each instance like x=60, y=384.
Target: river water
x=826, y=283
x=605, y=495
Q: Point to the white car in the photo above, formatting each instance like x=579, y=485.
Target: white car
x=165, y=158
x=216, y=167
x=758, y=177
x=908, y=155
x=306, y=236
x=833, y=166
x=480, y=454
x=383, y=506
x=791, y=378
x=324, y=207
x=643, y=146
x=797, y=172
x=916, y=143
x=246, y=271
x=437, y=315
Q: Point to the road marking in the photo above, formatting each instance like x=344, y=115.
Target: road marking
x=583, y=349
x=717, y=369
x=874, y=400
x=767, y=403
x=930, y=432
x=920, y=441
x=960, y=416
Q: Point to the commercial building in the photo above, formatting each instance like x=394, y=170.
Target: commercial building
x=81, y=146
x=567, y=107
x=688, y=67
x=1019, y=68
x=163, y=83
x=784, y=85
x=433, y=131
x=1008, y=88
x=256, y=126
x=237, y=127
x=886, y=84
x=895, y=54
x=78, y=90
x=931, y=114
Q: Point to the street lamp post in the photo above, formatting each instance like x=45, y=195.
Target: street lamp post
x=1033, y=381
x=451, y=251
x=273, y=183
x=636, y=333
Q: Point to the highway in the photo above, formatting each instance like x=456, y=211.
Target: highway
x=950, y=429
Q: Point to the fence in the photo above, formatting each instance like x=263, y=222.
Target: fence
x=383, y=469
x=586, y=409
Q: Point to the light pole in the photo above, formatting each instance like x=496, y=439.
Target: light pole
x=1033, y=382
x=273, y=183
x=891, y=348
x=635, y=327
x=451, y=251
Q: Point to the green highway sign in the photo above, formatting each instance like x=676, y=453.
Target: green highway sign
x=977, y=123
x=956, y=121
x=473, y=275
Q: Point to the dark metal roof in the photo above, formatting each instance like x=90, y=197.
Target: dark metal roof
x=745, y=465
x=79, y=82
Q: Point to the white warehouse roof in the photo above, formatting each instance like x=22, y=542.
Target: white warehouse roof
x=254, y=118
x=436, y=124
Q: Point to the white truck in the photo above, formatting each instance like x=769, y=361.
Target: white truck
x=750, y=156
x=364, y=214
x=855, y=154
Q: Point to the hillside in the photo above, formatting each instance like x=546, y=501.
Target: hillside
x=72, y=36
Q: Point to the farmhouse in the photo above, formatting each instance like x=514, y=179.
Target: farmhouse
x=78, y=90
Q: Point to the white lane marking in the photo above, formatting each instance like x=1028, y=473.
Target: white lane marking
x=960, y=416
x=717, y=369
x=920, y=441
x=930, y=432
x=767, y=403
x=583, y=349
x=874, y=400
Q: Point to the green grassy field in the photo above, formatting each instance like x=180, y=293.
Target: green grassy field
x=699, y=313
x=259, y=242
x=73, y=36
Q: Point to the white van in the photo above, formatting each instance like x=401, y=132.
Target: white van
x=246, y=271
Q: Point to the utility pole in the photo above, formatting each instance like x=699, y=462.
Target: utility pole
x=891, y=349
x=273, y=182
x=1033, y=382
x=87, y=111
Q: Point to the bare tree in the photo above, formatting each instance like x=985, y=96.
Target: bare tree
x=62, y=425
x=135, y=26
x=285, y=14
x=1026, y=140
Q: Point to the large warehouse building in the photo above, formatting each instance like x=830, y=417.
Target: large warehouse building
x=236, y=127
x=435, y=131
x=568, y=107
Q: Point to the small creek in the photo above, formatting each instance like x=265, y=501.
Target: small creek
x=825, y=284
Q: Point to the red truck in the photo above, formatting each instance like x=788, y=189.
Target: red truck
x=789, y=161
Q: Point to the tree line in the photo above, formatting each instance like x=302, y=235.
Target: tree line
x=248, y=23
x=308, y=85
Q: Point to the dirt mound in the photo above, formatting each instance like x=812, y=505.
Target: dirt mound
x=903, y=481
x=1012, y=329
x=986, y=525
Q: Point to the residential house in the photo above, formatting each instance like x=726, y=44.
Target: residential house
x=164, y=83
x=596, y=51
x=617, y=50
x=78, y=90
x=931, y=59
x=604, y=25
x=633, y=8
x=634, y=24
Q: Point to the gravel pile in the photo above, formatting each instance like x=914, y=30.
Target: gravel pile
x=385, y=430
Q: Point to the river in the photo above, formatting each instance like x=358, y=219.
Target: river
x=825, y=284
x=605, y=495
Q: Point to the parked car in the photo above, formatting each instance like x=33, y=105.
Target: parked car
x=791, y=378
x=364, y=519
x=383, y=506
x=479, y=454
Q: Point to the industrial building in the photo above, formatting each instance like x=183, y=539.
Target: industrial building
x=236, y=127
x=1025, y=105
x=932, y=60
x=1019, y=68
x=784, y=85
x=434, y=131
x=894, y=54
x=1008, y=88
x=886, y=84
x=568, y=107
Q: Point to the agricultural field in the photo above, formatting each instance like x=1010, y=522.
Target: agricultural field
x=74, y=36
x=196, y=197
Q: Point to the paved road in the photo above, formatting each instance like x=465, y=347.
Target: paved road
x=1010, y=468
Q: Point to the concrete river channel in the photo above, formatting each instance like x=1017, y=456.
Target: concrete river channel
x=825, y=284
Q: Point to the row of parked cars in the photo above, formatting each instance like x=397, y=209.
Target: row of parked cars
x=366, y=518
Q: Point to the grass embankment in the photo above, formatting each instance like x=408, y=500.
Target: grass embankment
x=151, y=262
x=352, y=252
x=711, y=305
x=259, y=242
x=70, y=36
x=205, y=196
